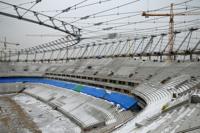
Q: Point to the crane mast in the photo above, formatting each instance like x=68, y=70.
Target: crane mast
x=171, y=28
x=171, y=33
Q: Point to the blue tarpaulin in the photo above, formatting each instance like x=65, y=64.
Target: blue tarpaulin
x=19, y=79
x=93, y=91
x=123, y=100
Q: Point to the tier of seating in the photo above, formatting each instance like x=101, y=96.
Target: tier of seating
x=123, y=100
x=173, y=94
x=181, y=119
x=163, y=86
x=47, y=119
x=127, y=72
x=8, y=88
x=91, y=66
x=86, y=111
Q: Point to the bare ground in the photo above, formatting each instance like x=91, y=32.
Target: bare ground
x=13, y=119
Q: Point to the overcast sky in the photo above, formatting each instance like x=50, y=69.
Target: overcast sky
x=19, y=31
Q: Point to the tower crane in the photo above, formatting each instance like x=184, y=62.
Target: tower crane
x=171, y=26
x=5, y=43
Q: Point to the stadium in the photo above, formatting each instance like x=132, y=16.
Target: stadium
x=99, y=66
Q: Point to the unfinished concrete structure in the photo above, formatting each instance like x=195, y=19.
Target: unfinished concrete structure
x=120, y=83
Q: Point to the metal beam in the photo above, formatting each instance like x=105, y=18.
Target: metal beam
x=35, y=18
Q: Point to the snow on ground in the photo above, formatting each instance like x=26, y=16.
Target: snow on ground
x=47, y=119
